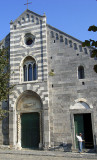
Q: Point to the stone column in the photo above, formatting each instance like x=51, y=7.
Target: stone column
x=18, y=131
x=41, y=138
x=11, y=127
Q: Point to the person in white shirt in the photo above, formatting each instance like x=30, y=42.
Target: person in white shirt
x=80, y=140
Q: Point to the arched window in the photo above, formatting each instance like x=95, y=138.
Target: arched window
x=75, y=46
x=80, y=48
x=14, y=26
x=52, y=34
x=23, y=19
x=85, y=50
x=32, y=18
x=57, y=37
x=27, y=17
x=19, y=23
x=61, y=38
x=30, y=69
x=81, y=72
x=66, y=41
x=70, y=43
x=37, y=21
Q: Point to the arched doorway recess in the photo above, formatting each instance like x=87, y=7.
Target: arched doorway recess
x=29, y=120
x=82, y=120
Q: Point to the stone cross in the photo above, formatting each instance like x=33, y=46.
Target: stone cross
x=27, y=3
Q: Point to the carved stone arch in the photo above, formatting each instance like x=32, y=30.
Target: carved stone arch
x=19, y=91
x=27, y=101
x=85, y=101
x=80, y=99
x=81, y=105
x=81, y=64
x=23, y=58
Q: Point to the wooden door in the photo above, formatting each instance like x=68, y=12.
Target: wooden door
x=79, y=126
x=30, y=130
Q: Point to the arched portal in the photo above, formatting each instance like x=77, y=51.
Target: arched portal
x=82, y=123
x=29, y=120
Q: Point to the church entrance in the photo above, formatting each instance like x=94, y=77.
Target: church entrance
x=30, y=130
x=83, y=125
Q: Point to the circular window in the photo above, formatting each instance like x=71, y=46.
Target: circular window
x=29, y=39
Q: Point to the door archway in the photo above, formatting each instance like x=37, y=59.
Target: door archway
x=29, y=120
x=82, y=119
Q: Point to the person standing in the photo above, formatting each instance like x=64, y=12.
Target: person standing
x=80, y=140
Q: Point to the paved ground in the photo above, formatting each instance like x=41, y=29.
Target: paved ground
x=31, y=157
x=44, y=155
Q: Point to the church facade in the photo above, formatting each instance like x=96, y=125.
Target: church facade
x=55, y=93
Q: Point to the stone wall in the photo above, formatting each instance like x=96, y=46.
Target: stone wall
x=65, y=55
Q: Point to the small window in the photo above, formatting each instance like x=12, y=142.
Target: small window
x=32, y=18
x=90, y=51
x=75, y=46
x=70, y=43
x=19, y=23
x=52, y=34
x=40, y=21
x=57, y=37
x=52, y=70
x=81, y=72
x=23, y=19
x=80, y=48
x=14, y=26
x=66, y=41
x=37, y=21
x=61, y=38
x=85, y=50
x=27, y=15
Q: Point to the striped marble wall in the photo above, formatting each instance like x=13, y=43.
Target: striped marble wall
x=28, y=22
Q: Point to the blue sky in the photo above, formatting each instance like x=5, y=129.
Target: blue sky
x=71, y=16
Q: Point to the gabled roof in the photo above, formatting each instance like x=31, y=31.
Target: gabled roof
x=27, y=11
